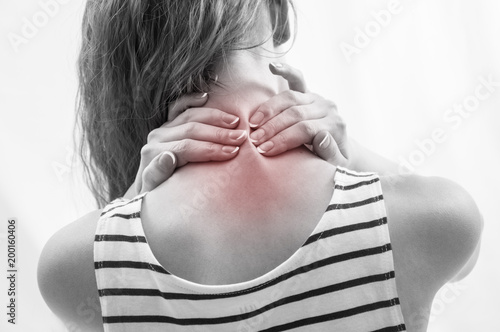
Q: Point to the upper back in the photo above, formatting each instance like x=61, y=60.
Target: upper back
x=342, y=275
x=418, y=210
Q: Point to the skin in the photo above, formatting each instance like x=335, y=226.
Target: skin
x=434, y=224
x=197, y=133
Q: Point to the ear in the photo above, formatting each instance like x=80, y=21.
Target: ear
x=279, y=21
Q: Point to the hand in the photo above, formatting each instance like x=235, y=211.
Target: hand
x=194, y=135
x=296, y=117
x=158, y=165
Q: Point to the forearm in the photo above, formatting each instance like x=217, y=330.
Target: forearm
x=363, y=159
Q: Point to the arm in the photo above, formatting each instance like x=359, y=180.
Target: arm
x=435, y=230
x=66, y=277
x=363, y=159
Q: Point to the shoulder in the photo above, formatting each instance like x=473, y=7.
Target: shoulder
x=434, y=222
x=66, y=276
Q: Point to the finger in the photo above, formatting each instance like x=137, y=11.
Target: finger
x=188, y=150
x=286, y=119
x=158, y=171
x=292, y=137
x=339, y=132
x=277, y=104
x=294, y=76
x=199, y=132
x=327, y=149
x=184, y=102
x=210, y=116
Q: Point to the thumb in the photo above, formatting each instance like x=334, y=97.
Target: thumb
x=158, y=171
x=294, y=76
x=326, y=148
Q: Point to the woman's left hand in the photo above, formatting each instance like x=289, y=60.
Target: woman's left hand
x=289, y=119
x=296, y=117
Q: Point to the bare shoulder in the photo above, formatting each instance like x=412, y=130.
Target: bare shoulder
x=66, y=276
x=434, y=222
x=435, y=228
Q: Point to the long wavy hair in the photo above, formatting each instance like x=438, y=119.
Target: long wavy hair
x=137, y=56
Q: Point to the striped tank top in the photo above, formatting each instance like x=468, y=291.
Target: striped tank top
x=341, y=278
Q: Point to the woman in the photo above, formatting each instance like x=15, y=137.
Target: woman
x=243, y=242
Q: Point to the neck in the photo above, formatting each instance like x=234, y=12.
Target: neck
x=244, y=83
x=250, y=186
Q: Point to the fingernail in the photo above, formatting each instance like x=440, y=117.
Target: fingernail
x=213, y=76
x=256, y=119
x=230, y=149
x=277, y=65
x=167, y=155
x=202, y=95
x=237, y=134
x=265, y=147
x=230, y=119
x=325, y=142
x=256, y=135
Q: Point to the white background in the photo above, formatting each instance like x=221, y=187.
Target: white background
x=394, y=92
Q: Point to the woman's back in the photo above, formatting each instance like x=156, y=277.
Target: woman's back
x=225, y=209
x=433, y=224
x=340, y=277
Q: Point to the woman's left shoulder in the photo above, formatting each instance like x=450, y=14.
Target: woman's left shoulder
x=66, y=276
x=437, y=218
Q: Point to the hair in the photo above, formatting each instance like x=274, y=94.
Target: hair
x=137, y=56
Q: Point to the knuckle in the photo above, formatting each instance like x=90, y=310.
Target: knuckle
x=291, y=96
x=266, y=109
x=146, y=150
x=297, y=113
x=211, y=149
x=152, y=135
x=216, y=114
x=341, y=124
x=281, y=140
x=331, y=106
x=271, y=128
x=308, y=128
x=181, y=146
x=189, y=129
x=220, y=134
x=187, y=115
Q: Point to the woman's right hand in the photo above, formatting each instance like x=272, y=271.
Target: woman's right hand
x=178, y=141
x=194, y=134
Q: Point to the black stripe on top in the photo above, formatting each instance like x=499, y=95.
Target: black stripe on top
x=121, y=205
x=130, y=265
x=356, y=185
x=303, y=269
x=355, y=175
x=126, y=216
x=229, y=319
x=119, y=238
x=334, y=315
x=345, y=229
x=338, y=206
x=395, y=328
x=286, y=300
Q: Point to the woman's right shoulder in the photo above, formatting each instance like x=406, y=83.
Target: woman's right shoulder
x=434, y=222
x=66, y=276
